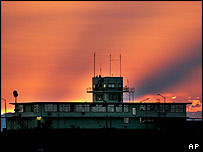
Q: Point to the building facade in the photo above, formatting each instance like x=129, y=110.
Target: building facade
x=106, y=111
x=60, y=115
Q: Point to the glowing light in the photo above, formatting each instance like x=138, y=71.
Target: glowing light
x=174, y=97
x=39, y=118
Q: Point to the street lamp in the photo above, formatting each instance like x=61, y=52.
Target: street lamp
x=164, y=101
x=163, y=97
x=5, y=108
x=163, y=108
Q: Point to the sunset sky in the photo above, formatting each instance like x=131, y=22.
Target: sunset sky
x=47, y=49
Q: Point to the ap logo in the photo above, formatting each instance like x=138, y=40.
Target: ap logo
x=193, y=146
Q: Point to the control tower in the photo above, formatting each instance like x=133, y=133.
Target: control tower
x=108, y=89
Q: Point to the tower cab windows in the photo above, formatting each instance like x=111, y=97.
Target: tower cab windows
x=108, y=89
x=112, y=97
x=104, y=85
x=120, y=87
x=21, y=108
x=111, y=85
x=99, y=97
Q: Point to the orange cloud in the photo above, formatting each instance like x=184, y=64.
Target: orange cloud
x=195, y=106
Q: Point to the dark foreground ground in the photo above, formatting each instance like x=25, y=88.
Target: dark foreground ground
x=173, y=139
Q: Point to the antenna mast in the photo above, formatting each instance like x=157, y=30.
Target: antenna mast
x=100, y=70
x=110, y=65
x=120, y=65
x=94, y=64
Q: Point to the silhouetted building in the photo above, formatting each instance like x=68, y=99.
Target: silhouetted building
x=106, y=111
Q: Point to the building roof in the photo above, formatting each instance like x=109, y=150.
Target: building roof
x=97, y=103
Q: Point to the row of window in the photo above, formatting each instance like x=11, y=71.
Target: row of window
x=78, y=108
x=109, y=85
x=146, y=107
x=162, y=108
x=142, y=120
x=100, y=108
x=112, y=97
x=177, y=108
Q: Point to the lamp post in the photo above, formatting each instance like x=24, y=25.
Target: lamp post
x=163, y=108
x=5, y=110
x=163, y=97
x=164, y=102
x=146, y=109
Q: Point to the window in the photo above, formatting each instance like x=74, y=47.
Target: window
x=93, y=85
x=20, y=107
x=180, y=108
x=35, y=108
x=111, y=85
x=150, y=107
x=99, y=97
x=142, y=107
x=167, y=108
x=177, y=108
x=98, y=108
x=110, y=108
x=64, y=108
x=119, y=108
x=112, y=97
x=162, y=108
x=146, y=107
x=104, y=85
x=120, y=87
x=50, y=107
x=82, y=108
x=126, y=120
x=134, y=111
x=125, y=108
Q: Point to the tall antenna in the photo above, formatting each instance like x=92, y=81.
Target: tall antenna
x=100, y=70
x=94, y=64
x=120, y=65
x=110, y=65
